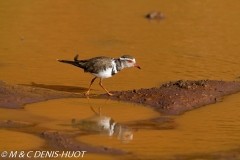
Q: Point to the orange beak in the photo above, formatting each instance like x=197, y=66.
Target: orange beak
x=135, y=65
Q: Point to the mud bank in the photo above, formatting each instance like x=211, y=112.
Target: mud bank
x=12, y=124
x=174, y=98
x=66, y=141
x=171, y=98
x=15, y=96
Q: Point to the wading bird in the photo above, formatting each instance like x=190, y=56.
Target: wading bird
x=103, y=67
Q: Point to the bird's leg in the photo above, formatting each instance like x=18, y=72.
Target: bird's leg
x=87, y=93
x=100, y=107
x=99, y=110
x=100, y=83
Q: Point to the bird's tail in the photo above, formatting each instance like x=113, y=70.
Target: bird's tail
x=76, y=62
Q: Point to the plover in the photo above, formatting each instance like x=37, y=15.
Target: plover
x=103, y=67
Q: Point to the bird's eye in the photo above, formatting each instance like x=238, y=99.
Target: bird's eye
x=130, y=61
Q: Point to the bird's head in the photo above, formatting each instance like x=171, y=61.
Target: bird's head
x=129, y=61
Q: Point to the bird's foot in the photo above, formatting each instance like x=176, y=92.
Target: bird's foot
x=110, y=94
x=87, y=93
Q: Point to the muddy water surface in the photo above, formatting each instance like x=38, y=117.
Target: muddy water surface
x=196, y=40
x=19, y=141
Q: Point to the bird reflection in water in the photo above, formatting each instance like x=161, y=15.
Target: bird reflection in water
x=105, y=125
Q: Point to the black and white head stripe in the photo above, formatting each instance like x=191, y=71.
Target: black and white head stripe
x=127, y=57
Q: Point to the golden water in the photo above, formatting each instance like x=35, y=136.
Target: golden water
x=197, y=40
x=13, y=141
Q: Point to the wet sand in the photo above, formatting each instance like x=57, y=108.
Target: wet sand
x=15, y=96
x=174, y=98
